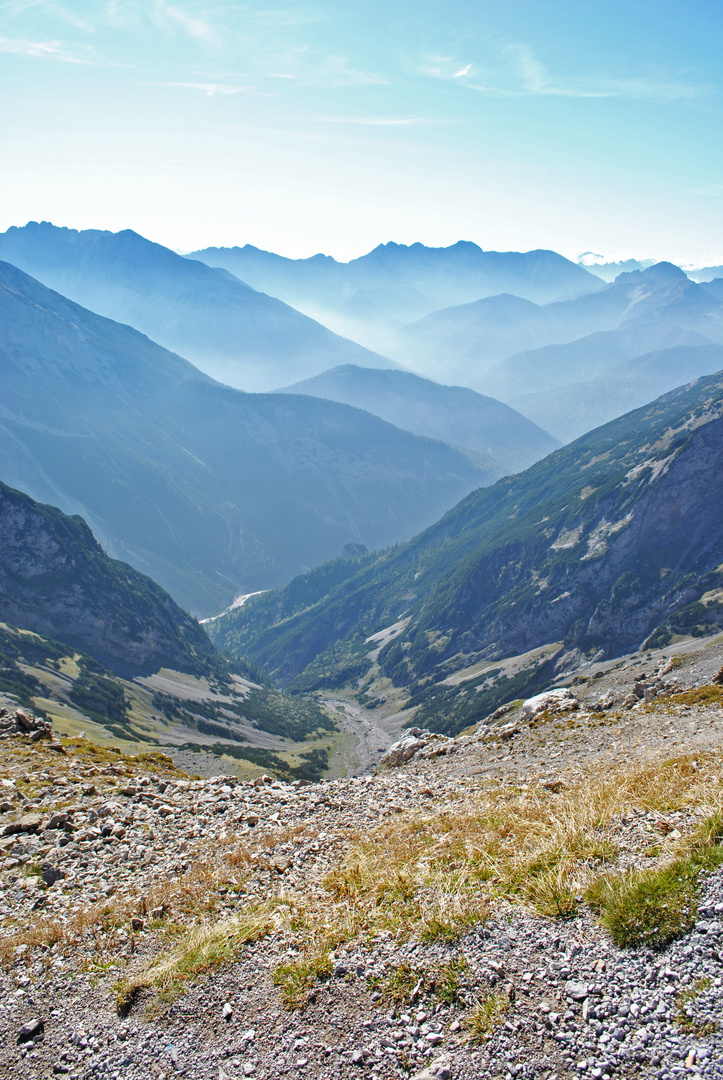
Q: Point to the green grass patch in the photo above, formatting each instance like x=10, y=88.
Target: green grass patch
x=400, y=985
x=683, y=1016
x=652, y=907
x=297, y=979
x=487, y=1015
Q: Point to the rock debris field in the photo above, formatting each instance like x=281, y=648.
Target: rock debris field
x=435, y=920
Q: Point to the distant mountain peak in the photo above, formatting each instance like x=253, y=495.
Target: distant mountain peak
x=662, y=271
x=666, y=270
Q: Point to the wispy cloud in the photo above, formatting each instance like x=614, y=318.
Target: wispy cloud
x=211, y=89
x=52, y=8
x=371, y=121
x=47, y=50
x=191, y=20
x=172, y=16
x=516, y=71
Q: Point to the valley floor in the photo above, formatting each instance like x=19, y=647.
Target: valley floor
x=446, y=918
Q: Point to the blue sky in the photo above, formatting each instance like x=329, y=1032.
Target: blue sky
x=337, y=126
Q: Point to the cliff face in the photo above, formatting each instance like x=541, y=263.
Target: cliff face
x=56, y=580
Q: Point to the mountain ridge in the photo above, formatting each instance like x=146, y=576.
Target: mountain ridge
x=454, y=414
x=211, y=491
x=228, y=329
x=371, y=296
x=604, y=543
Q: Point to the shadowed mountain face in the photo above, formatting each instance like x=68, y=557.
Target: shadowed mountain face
x=585, y=363
x=453, y=414
x=467, y=342
x=714, y=288
x=394, y=284
x=210, y=491
x=56, y=580
x=232, y=332
x=576, y=407
x=611, y=539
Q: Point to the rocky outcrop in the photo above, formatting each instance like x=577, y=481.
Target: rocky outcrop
x=559, y=700
x=415, y=741
x=24, y=722
x=56, y=580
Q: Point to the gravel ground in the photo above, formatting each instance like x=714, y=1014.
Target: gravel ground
x=570, y=1003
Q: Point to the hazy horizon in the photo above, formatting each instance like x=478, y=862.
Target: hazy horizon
x=312, y=128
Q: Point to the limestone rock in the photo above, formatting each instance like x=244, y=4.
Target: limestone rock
x=412, y=740
x=560, y=700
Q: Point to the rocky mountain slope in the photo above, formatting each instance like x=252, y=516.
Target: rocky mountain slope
x=56, y=580
x=546, y=901
x=239, y=336
x=454, y=414
x=99, y=648
x=607, y=542
x=395, y=284
x=210, y=491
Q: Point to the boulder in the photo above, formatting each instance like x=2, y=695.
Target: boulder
x=559, y=700
x=412, y=740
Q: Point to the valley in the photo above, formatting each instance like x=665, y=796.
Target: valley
x=455, y=691
x=361, y=541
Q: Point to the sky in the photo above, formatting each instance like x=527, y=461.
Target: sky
x=336, y=126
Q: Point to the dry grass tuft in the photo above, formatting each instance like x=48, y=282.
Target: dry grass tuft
x=204, y=948
x=189, y=896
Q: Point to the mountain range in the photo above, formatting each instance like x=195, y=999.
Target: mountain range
x=507, y=440
x=611, y=541
x=474, y=592
x=210, y=491
x=580, y=369
x=608, y=270
x=394, y=284
x=239, y=336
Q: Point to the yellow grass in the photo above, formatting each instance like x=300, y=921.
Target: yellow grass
x=427, y=875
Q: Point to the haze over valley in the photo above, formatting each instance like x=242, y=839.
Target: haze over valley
x=361, y=541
